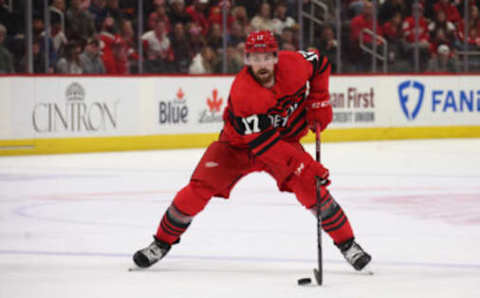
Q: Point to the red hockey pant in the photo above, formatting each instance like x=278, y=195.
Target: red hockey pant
x=222, y=166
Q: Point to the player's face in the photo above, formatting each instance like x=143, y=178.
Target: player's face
x=263, y=65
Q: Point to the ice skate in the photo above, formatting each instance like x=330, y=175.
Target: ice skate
x=151, y=254
x=354, y=254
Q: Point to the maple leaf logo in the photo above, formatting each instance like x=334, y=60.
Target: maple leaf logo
x=214, y=103
x=180, y=94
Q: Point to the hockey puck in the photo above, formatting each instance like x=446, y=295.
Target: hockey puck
x=304, y=281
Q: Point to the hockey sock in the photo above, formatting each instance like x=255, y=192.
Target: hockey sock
x=334, y=220
x=173, y=224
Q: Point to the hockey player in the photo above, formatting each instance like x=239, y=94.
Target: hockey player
x=267, y=113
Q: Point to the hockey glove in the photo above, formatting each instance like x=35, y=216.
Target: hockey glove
x=319, y=112
x=289, y=160
x=304, y=184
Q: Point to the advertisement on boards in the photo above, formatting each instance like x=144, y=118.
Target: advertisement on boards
x=190, y=105
x=439, y=100
x=82, y=107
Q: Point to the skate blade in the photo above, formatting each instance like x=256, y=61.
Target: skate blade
x=133, y=269
x=368, y=270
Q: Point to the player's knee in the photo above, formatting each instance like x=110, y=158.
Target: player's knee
x=192, y=198
x=304, y=186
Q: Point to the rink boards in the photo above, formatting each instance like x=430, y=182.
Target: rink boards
x=52, y=114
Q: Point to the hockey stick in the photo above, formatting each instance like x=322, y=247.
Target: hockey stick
x=318, y=272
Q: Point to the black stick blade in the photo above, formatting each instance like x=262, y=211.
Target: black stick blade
x=318, y=276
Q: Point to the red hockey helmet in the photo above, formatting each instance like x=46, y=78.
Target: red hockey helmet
x=261, y=42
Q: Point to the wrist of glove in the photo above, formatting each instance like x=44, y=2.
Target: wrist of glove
x=319, y=111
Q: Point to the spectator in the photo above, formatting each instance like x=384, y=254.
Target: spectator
x=473, y=22
x=239, y=13
x=441, y=23
x=113, y=10
x=152, y=20
x=423, y=43
x=181, y=48
x=287, y=37
x=443, y=61
x=236, y=35
x=39, y=34
x=263, y=20
x=107, y=36
x=473, y=40
x=439, y=38
x=80, y=23
x=328, y=46
x=57, y=11
x=204, y=62
x=160, y=14
x=215, y=15
x=197, y=11
x=450, y=10
x=389, y=8
x=116, y=62
x=158, y=50
x=358, y=26
x=70, y=63
x=363, y=21
x=408, y=26
x=90, y=60
x=59, y=39
x=178, y=13
x=197, y=40
x=38, y=62
x=281, y=20
x=6, y=58
x=98, y=9
x=128, y=36
x=392, y=30
x=215, y=37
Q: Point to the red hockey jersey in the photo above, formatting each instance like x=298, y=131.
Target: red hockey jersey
x=258, y=118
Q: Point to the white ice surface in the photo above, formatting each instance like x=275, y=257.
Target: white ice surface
x=70, y=223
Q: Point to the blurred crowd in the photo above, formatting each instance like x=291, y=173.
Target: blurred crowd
x=186, y=36
x=440, y=39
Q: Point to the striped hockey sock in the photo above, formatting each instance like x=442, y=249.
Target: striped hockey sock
x=173, y=224
x=334, y=220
